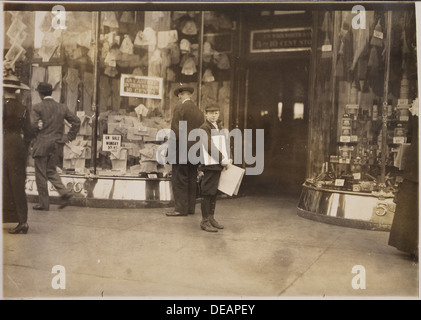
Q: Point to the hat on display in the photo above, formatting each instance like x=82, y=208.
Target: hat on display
x=207, y=51
x=189, y=66
x=222, y=61
x=182, y=88
x=44, y=87
x=13, y=82
x=212, y=107
x=185, y=46
x=189, y=28
x=208, y=76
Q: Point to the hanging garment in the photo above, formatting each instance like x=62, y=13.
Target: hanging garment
x=360, y=43
x=38, y=75
x=104, y=93
x=88, y=91
x=340, y=72
x=327, y=21
x=55, y=78
x=109, y=19
x=115, y=94
x=155, y=64
x=127, y=17
x=127, y=45
x=175, y=53
x=72, y=81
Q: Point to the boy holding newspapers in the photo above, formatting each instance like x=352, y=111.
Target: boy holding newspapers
x=211, y=167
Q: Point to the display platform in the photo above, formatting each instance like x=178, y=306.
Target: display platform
x=346, y=208
x=109, y=192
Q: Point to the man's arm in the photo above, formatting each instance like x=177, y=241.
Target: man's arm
x=175, y=122
x=74, y=121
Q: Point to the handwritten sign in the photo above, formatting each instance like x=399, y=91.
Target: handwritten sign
x=140, y=86
x=111, y=142
x=280, y=40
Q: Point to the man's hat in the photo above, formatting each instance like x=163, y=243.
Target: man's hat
x=13, y=82
x=44, y=87
x=182, y=88
x=212, y=107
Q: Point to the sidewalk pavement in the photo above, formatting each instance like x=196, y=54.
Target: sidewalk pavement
x=266, y=251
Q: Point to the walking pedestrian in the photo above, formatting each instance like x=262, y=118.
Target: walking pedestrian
x=16, y=138
x=47, y=119
x=211, y=172
x=404, y=231
x=184, y=173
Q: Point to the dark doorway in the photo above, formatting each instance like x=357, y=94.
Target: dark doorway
x=277, y=102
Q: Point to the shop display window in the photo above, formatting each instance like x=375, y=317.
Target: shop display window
x=128, y=95
x=365, y=83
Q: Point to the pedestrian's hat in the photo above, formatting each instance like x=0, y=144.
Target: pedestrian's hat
x=44, y=87
x=212, y=107
x=13, y=82
x=182, y=88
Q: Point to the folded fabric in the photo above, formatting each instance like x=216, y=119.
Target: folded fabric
x=120, y=154
x=147, y=37
x=137, y=133
x=141, y=110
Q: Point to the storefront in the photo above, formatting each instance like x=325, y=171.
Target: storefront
x=333, y=98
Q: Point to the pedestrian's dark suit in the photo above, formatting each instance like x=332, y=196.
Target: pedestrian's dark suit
x=404, y=232
x=184, y=176
x=15, y=150
x=211, y=173
x=49, y=143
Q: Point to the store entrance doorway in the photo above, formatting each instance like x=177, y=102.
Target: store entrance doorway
x=277, y=102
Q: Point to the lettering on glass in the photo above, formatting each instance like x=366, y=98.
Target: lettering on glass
x=280, y=40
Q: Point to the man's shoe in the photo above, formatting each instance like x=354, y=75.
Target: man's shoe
x=206, y=226
x=65, y=200
x=39, y=207
x=175, y=214
x=21, y=227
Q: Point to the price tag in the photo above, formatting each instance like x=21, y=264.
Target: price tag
x=354, y=138
x=357, y=176
x=378, y=34
x=345, y=139
x=326, y=48
x=399, y=140
x=339, y=182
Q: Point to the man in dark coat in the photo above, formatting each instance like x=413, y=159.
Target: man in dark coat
x=186, y=117
x=16, y=138
x=47, y=120
x=404, y=232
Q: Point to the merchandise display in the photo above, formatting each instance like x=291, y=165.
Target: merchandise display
x=142, y=56
x=371, y=134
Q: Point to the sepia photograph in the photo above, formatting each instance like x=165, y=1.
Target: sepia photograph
x=221, y=151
